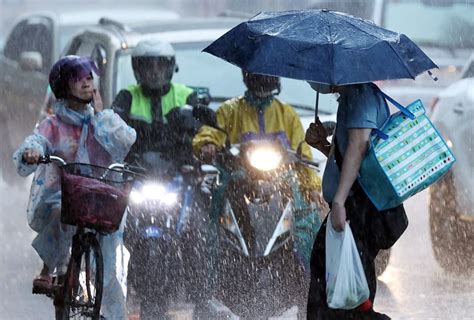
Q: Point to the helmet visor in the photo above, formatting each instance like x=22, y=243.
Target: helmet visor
x=261, y=83
x=154, y=72
x=81, y=68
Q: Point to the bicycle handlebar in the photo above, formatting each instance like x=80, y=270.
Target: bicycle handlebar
x=49, y=159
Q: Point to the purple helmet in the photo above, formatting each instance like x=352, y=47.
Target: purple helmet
x=67, y=68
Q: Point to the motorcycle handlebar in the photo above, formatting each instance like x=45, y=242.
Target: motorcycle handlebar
x=299, y=158
x=135, y=169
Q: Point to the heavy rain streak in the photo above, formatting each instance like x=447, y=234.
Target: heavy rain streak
x=154, y=163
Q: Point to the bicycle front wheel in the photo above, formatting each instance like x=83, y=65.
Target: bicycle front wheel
x=83, y=283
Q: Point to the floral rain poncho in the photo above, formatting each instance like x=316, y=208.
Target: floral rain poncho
x=100, y=139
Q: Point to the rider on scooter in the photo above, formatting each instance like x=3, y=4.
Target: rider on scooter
x=145, y=105
x=260, y=115
x=158, y=109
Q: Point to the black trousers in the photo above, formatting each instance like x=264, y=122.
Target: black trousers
x=372, y=230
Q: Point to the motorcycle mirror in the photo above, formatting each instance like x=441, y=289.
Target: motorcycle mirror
x=203, y=95
x=209, y=169
x=205, y=115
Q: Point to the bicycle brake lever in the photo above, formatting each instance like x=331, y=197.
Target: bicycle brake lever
x=45, y=159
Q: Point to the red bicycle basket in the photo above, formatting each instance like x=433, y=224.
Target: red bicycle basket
x=94, y=197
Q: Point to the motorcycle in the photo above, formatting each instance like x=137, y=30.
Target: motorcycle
x=166, y=227
x=256, y=203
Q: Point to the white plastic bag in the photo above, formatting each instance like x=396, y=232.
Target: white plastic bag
x=346, y=285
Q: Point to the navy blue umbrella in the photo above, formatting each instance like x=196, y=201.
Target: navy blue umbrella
x=320, y=46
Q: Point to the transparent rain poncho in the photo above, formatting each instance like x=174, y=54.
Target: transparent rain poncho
x=100, y=139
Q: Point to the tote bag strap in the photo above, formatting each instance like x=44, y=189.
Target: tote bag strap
x=404, y=110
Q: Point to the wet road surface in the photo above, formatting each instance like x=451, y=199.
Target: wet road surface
x=412, y=287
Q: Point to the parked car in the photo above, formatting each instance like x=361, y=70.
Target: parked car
x=34, y=43
x=451, y=199
x=443, y=30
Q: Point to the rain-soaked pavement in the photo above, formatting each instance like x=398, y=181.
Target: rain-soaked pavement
x=413, y=286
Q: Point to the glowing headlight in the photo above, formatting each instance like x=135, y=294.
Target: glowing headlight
x=170, y=198
x=264, y=158
x=136, y=197
x=155, y=193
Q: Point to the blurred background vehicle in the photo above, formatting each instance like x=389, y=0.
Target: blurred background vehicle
x=32, y=46
x=451, y=203
x=443, y=29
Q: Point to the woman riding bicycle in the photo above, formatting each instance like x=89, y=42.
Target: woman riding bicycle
x=80, y=131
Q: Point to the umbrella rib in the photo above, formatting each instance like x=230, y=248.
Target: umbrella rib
x=403, y=60
x=390, y=44
x=356, y=26
x=332, y=53
x=333, y=74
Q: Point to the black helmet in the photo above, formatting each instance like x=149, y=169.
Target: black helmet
x=260, y=84
x=67, y=68
x=153, y=63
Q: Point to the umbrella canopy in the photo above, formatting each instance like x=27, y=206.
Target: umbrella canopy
x=321, y=46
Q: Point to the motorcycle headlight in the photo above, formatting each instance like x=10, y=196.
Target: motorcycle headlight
x=170, y=198
x=264, y=158
x=136, y=197
x=153, y=192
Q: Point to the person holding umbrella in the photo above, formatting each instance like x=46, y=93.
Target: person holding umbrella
x=362, y=108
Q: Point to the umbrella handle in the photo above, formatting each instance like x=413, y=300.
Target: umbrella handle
x=316, y=107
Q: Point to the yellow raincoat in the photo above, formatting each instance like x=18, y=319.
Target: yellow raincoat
x=244, y=122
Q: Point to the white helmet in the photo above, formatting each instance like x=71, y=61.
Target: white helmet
x=153, y=63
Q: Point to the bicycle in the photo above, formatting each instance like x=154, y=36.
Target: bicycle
x=93, y=199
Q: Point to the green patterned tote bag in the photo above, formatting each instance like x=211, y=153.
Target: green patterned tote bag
x=405, y=156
